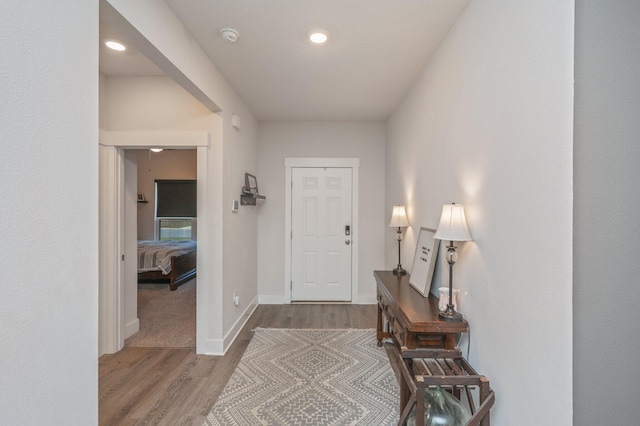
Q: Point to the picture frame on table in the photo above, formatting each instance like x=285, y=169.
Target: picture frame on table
x=424, y=261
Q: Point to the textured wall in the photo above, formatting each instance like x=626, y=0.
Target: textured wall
x=363, y=140
x=489, y=125
x=49, y=212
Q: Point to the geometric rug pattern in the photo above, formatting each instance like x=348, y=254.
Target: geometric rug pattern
x=310, y=377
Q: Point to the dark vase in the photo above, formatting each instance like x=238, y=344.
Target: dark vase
x=441, y=409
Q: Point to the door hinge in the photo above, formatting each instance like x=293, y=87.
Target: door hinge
x=123, y=257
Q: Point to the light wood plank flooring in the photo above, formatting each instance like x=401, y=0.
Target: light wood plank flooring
x=164, y=386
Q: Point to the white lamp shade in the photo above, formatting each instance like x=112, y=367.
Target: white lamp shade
x=399, y=217
x=453, y=224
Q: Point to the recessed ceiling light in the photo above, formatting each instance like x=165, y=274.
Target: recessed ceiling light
x=318, y=36
x=115, y=45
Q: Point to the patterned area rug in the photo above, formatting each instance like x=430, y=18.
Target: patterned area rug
x=310, y=377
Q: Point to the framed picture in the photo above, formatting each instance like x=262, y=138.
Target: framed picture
x=251, y=183
x=424, y=261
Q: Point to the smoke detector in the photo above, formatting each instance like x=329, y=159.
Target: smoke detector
x=229, y=35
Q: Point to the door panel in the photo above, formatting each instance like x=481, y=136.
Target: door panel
x=320, y=250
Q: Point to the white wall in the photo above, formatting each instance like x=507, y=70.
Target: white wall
x=489, y=125
x=171, y=47
x=168, y=164
x=277, y=140
x=49, y=208
x=607, y=201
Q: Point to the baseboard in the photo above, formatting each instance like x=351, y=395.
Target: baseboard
x=240, y=322
x=131, y=328
x=219, y=347
x=271, y=299
x=367, y=299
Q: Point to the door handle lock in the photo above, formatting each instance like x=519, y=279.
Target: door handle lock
x=347, y=242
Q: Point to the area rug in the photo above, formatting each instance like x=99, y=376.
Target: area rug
x=310, y=377
x=167, y=318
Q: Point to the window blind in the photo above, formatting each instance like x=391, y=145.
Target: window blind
x=176, y=198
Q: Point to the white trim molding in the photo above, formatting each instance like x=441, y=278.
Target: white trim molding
x=111, y=332
x=143, y=139
x=352, y=163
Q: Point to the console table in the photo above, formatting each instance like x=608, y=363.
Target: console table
x=426, y=349
x=412, y=318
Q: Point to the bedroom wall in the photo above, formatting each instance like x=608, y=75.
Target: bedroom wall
x=607, y=199
x=49, y=208
x=488, y=124
x=168, y=164
x=277, y=140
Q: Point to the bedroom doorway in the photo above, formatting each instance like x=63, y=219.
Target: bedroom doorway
x=159, y=312
x=112, y=327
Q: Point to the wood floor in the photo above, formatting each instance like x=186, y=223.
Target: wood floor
x=163, y=386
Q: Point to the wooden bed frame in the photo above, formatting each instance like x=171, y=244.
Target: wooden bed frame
x=183, y=268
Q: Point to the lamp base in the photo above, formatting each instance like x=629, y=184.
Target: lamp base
x=450, y=314
x=399, y=271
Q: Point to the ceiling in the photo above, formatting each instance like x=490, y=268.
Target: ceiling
x=376, y=50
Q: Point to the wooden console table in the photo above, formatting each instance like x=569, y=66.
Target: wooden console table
x=426, y=349
x=412, y=318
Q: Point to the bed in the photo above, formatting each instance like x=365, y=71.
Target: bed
x=172, y=262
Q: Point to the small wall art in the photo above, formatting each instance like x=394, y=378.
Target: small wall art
x=424, y=261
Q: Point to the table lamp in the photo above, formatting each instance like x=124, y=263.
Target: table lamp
x=452, y=227
x=399, y=220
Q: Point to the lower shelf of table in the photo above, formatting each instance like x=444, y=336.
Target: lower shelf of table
x=422, y=368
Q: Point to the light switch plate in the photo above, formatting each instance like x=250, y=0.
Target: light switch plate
x=234, y=206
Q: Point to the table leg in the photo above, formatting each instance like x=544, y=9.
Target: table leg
x=379, y=333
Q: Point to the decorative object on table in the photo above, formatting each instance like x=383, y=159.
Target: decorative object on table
x=441, y=409
x=452, y=227
x=250, y=192
x=443, y=301
x=399, y=220
x=141, y=198
x=424, y=261
x=310, y=377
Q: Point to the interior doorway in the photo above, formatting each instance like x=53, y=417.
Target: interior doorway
x=112, y=252
x=155, y=316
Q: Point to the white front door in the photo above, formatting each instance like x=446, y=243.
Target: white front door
x=321, y=200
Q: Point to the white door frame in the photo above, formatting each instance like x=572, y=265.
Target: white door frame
x=111, y=229
x=111, y=282
x=354, y=164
